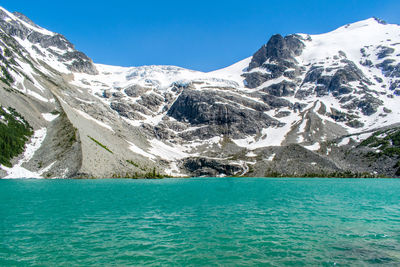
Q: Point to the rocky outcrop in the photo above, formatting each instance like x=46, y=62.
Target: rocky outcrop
x=136, y=90
x=276, y=57
x=278, y=49
x=219, y=116
x=284, y=88
x=210, y=167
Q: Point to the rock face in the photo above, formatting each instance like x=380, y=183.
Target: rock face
x=302, y=105
x=210, y=167
x=281, y=50
x=277, y=58
x=217, y=117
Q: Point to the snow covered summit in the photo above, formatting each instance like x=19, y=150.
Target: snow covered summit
x=301, y=105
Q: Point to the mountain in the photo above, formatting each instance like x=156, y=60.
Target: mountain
x=302, y=105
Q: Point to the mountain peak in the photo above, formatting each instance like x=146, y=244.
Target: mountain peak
x=21, y=22
x=381, y=21
x=25, y=18
x=301, y=104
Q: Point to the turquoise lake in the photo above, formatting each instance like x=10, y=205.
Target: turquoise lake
x=200, y=221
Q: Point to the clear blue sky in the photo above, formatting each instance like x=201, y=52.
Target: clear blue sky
x=202, y=35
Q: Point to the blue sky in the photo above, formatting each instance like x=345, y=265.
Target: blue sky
x=202, y=35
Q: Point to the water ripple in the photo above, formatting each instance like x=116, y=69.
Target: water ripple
x=225, y=221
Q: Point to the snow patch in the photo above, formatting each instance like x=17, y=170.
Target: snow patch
x=140, y=151
x=251, y=154
x=345, y=141
x=37, y=96
x=313, y=147
x=88, y=117
x=167, y=152
x=173, y=170
x=271, y=158
x=50, y=117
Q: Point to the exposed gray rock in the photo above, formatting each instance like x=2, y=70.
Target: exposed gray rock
x=355, y=124
x=117, y=95
x=125, y=110
x=12, y=27
x=369, y=105
x=24, y=18
x=380, y=21
x=204, y=108
x=389, y=69
x=62, y=142
x=313, y=74
x=276, y=102
x=276, y=57
x=278, y=48
x=47, y=41
x=282, y=114
x=384, y=52
x=294, y=160
x=151, y=101
x=140, y=108
x=255, y=79
x=302, y=94
x=106, y=94
x=394, y=85
x=136, y=90
x=386, y=110
x=209, y=167
x=281, y=89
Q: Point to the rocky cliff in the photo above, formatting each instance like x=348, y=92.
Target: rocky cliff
x=302, y=105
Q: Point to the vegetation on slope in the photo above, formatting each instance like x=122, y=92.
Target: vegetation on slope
x=386, y=143
x=14, y=133
x=153, y=174
x=100, y=144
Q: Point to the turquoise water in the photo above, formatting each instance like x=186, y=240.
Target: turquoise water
x=216, y=221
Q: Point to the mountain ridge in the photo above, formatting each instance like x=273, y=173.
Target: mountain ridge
x=302, y=105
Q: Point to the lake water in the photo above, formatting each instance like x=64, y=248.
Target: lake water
x=202, y=221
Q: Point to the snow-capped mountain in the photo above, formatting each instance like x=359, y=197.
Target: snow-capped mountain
x=317, y=105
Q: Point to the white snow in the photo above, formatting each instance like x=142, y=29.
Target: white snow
x=84, y=101
x=271, y=158
x=270, y=136
x=37, y=96
x=361, y=137
x=344, y=141
x=167, y=152
x=47, y=168
x=173, y=170
x=88, y=117
x=140, y=151
x=347, y=39
x=50, y=117
x=313, y=147
x=6, y=111
x=46, y=56
x=251, y=154
x=328, y=150
x=232, y=72
x=302, y=126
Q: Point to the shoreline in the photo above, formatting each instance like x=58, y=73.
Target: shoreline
x=197, y=177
